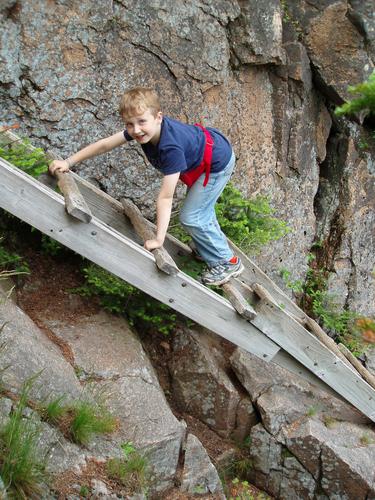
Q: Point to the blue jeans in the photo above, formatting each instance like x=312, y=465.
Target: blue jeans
x=198, y=217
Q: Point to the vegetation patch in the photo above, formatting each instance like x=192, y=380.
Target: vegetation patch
x=343, y=325
x=132, y=470
x=79, y=421
x=249, y=223
x=21, y=468
x=118, y=296
x=21, y=154
x=365, y=100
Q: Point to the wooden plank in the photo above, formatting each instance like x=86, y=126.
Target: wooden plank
x=74, y=202
x=213, y=314
x=37, y=205
x=285, y=360
x=253, y=274
x=162, y=258
x=110, y=211
x=238, y=301
x=309, y=324
x=285, y=331
x=370, y=379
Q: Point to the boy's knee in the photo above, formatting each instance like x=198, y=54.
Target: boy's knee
x=187, y=219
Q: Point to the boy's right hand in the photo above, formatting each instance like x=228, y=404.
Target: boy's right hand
x=58, y=166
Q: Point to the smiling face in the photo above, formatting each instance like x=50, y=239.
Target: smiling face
x=144, y=128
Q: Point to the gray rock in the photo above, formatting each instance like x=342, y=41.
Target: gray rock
x=29, y=352
x=370, y=359
x=335, y=46
x=99, y=489
x=200, y=384
x=339, y=454
x=105, y=344
x=282, y=398
x=256, y=34
x=276, y=470
x=199, y=476
x=246, y=418
x=5, y=409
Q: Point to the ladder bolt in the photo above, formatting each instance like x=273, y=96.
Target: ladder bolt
x=93, y=233
x=171, y=301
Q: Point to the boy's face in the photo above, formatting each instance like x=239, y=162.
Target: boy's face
x=145, y=128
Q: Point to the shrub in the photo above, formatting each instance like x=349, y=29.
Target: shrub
x=31, y=160
x=249, y=223
x=117, y=296
x=79, y=421
x=365, y=100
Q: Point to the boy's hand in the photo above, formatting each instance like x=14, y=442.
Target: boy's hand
x=152, y=244
x=58, y=166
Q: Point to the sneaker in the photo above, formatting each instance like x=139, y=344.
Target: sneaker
x=220, y=274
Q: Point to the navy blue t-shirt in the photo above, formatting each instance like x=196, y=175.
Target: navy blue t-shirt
x=181, y=148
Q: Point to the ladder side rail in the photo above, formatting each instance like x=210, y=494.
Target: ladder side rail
x=292, y=337
x=37, y=205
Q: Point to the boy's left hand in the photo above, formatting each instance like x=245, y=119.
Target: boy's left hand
x=152, y=244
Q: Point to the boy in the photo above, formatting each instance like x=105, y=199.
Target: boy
x=202, y=158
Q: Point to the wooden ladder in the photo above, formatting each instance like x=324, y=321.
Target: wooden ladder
x=270, y=325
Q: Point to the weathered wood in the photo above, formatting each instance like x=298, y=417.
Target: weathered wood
x=370, y=379
x=74, y=201
x=75, y=204
x=238, y=301
x=314, y=328
x=302, y=345
x=307, y=322
x=39, y=206
x=162, y=258
x=43, y=208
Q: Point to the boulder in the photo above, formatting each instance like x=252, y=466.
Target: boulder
x=106, y=350
x=283, y=398
x=276, y=470
x=346, y=209
x=362, y=15
x=30, y=353
x=199, y=476
x=201, y=385
x=339, y=455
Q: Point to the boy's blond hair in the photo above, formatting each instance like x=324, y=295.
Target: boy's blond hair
x=138, y=100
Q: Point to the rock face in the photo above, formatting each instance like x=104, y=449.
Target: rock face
x=105, y=350
x=266, y=74
x=308, y=444
x=199, y=475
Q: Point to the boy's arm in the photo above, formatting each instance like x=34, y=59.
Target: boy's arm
x=94, y=149
x=163, y=210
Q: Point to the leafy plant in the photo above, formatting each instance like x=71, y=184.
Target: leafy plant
x=132, y=470
x=249, y=223
x=365, y=100
x=31, y=160
x=21, y=469
x=120, y=297
x=12, y=262
x=315, y=300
